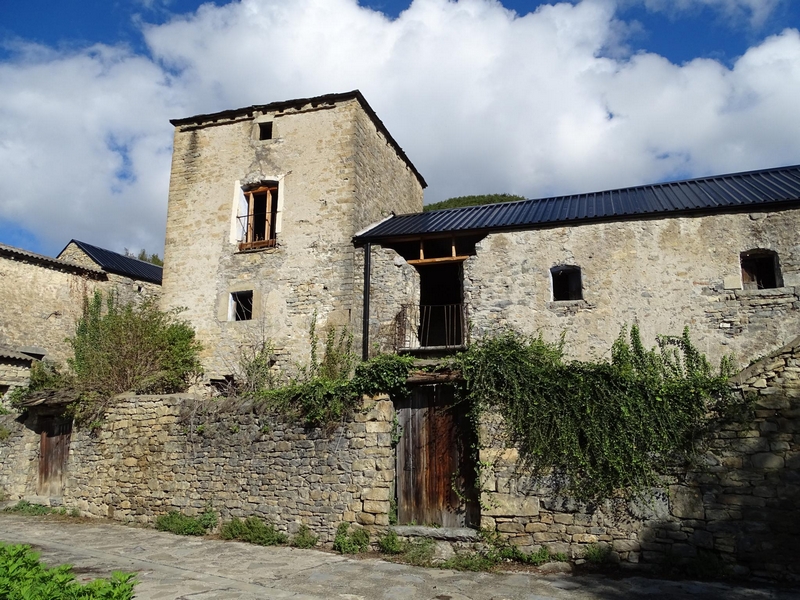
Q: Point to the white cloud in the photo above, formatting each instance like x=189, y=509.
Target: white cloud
x=482, y=100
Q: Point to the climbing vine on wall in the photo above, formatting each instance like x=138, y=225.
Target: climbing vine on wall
x=605, y=427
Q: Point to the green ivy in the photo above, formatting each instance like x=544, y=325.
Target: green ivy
x=603, y=426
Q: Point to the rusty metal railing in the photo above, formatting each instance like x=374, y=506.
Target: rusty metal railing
x=431, y=326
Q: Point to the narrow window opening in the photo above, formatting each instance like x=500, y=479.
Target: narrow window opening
x=265, y=131
x=242, y=306
x=566, y=283
x=760, y=270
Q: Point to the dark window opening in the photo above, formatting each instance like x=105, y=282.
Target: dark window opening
x=441, y=317
x=259, y=223
x=760, y=270
x=265, y=131
x=242, y=306
x=566, y=283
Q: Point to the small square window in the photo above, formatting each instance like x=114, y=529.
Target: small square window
x=265, y=131
x=241, y=306
x=760, y=270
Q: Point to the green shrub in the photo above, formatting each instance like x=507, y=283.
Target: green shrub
x=350, y=543
x=390, y=543
x=132, y=347
x=470, y=561
x=597, y=553
x=23, y=577
x=5, y=433
x=180, y=524
x=254, y=531
x=23, y=507
x=419, y=552
x=304, y=538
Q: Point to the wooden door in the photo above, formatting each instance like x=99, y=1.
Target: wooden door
x=435, y=471
x=53, y=454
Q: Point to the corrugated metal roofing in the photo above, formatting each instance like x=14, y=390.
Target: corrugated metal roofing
x=718, y=193
x=10, y=352
x=113, y=262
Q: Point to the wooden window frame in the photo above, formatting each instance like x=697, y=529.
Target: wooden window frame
x=254, y=239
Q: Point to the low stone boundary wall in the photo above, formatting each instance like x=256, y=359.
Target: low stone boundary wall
x=148, y=458
x=738, y=510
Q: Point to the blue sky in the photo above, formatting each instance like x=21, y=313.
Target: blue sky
x=553, y=99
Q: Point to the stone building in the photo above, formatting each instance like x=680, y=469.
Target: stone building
x=263, y=204
x=41, y=299
x=719, y=255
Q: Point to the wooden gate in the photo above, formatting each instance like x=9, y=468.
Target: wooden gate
x=53, y=454
x=435, y=470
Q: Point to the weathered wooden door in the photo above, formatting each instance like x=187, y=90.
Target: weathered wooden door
x=53, y=454
x=435, y=471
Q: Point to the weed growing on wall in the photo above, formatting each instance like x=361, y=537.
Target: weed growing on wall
x=118, y=348
x=605, y=426
x=122, y=347
x=23, y=577
x=329, y=386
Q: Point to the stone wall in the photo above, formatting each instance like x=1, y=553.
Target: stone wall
x=393, y=283
x=663, y=274
x=19, y=455
x=740, y=506
x=41, y=302
x=127, y=289
x=14, y=373
x=151, y=456
x=336, y=174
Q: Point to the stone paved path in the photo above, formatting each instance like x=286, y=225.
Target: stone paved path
x=180, y=568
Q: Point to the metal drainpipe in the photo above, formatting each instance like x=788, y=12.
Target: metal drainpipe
x=365, y=315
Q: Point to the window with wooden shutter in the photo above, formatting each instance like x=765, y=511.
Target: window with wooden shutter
x=258, y=223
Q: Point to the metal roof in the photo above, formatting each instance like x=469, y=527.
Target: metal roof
x=11, y=352
x=57, y=263
x=114, y=262
x=708, y=194
x=229, y=115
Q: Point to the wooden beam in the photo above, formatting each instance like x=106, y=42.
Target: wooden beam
x=422, y=377
x=443, y=259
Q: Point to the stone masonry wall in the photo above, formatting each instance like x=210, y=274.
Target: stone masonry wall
x=663, y=274
x=740, y=507
x=14, y=373
x=317, y=154
x=40, y=305
x=150, y=457
x=127, y=289
x=394, y=283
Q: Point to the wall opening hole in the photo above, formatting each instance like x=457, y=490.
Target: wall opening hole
x=265, y=131
x=566, y=283
x=760, y=270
